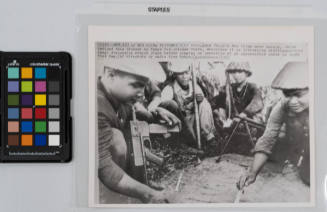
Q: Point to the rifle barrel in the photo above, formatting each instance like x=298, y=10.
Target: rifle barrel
x=196, y=109
x=251, y=121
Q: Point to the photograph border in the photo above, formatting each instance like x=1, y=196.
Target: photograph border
x=254, y=34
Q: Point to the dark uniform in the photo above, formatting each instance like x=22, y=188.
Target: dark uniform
x=296, y=145
x=112, y=117
x=248, y=100
x=297, y=138
x=113, y=120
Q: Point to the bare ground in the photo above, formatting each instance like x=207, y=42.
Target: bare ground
x=211, y=182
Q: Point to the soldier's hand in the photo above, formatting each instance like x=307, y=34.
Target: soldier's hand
x=199, y=97
x=168, y=117
x=159, y=197
x=245, y=180
x=227, y=123
x=242, y=115
x=139, y=107
x=188, y=100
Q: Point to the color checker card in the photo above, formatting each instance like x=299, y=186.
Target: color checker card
x=35, y=107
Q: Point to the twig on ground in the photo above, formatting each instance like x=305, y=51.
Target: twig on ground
x=179, y=180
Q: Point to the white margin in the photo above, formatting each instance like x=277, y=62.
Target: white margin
x=257, y=34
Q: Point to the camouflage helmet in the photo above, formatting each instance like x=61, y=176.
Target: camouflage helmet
x=294, y=75
x=239, y=66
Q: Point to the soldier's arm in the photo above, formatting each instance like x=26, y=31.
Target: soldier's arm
x=167, y=93
x=126, y=185
x=154, y=95
x=107, y=142
x=156, y=100
x=258, y=162
x=267, y=141
x=256, y=104
x=142, y=113
x=111, y=174
x=264, y=146
x=250, y=175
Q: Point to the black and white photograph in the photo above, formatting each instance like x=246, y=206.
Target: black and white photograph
x=201, y=116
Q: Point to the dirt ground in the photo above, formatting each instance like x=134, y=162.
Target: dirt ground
x=211, y=182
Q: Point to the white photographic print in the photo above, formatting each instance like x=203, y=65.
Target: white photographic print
x=203, y=116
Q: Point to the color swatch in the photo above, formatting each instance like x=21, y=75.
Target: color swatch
x=29, y=102
x=36, y=93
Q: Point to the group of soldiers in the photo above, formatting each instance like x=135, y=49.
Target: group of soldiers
x=126, y=89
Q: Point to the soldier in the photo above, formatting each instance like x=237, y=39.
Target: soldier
x=119, y=85
x=293, y=111
x=177, y=97
x=150, y=99
x=246, y=97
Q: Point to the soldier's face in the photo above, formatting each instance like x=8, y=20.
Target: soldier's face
x=239, y=76
x=183, y=78
x=125, y=87
x=298, y=100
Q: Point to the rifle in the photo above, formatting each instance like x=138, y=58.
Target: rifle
x=229, y=97
x=252, y=122
x=247, y=123
x=139, y=133
x=196, y=109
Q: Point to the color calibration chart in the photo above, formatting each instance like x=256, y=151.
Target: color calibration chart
x=36, y=118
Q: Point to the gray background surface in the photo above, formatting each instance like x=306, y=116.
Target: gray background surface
x=44, y=25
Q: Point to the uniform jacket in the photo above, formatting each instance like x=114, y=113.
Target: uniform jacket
x=297, y=136
x=174, y=91
x=248, y=100
x=111, y=115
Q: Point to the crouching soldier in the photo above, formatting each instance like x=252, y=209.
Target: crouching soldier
x=119, y=85
x=245, y=96
x=293, y=111
x=178, y=98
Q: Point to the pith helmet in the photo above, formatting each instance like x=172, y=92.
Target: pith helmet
x=179, y=66
x=294, y=75
x=239, y=66
x=150, y=70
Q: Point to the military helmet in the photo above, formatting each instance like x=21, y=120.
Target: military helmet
x=294, y=75
x=147, y=69
x=239, y=66
x=179, y=66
